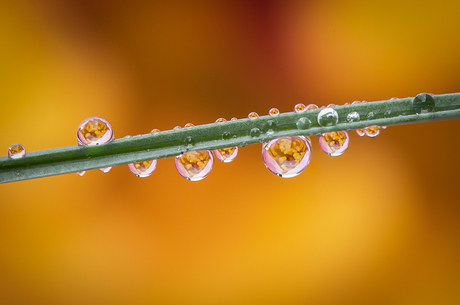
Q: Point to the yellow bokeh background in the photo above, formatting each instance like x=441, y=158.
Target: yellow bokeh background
x=378, y=225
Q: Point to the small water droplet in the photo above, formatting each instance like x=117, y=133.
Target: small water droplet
x=303, y=123
x=372, y=131
x=328, y=117
x=355, y=102
x=288, y=156
x=253, y=115
x=353, y=117
x=16, y=151
x=393, y=98
x=360, y=132
x=105, y=169
x=273, y=112
x=423, y=103
x=94, y=131
x=155, y=130
x=227, y=154
x=370, y=115
x=221, y=120
x=243, y=144
x=311, y=107
x=188, y=125
x=254, y=132
x=177, y=128
x=299, y=108
x=269, y=127
x=387, y=114
x=334, y=143
x=346, y=104
x=143, y=169
x=81, y=173
x=331, y=105
x=189, y=141
x=233, y=119
x=194, y=165
x=226, y=135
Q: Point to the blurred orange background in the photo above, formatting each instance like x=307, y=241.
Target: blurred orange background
x=377, y=225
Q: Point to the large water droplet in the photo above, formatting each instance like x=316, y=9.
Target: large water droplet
x=194, y=165
x=328, y=117
x=334, y=143
x=254, y=132
x=94, y=131
x=423, y=103
x=226, y=154
x=81, y=173
x=16, y=151
x=353, y=117
x=372, y=131
x=253, y=115
x=105, y=169
x=273, y=112
x=303, y=123
x=143, y=169
x=288, y=156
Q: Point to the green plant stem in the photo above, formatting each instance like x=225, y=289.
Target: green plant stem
x=210, y=136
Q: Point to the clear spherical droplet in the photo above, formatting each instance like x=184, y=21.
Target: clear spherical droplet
x=299, y=108
x=155, y=130
x=355, y=102
x=194, y=165
x=288, y=156
x=177, y=127
x=353, y=117
x=423, y=103
x=143, y=169
x=16, y=151
x=226, y=154
x=254, y=132
x=221, y=120
x=269, y=127
x=311, y=107
x=105, y=169
x=253, y=115
x=94, y=131
x=226, y=135
x=360, y=132
x=81, y=173
x=189, y=125
x=328, y=117
x=331, y=105
x=273, y=112
x=372, y=131
x=189, y=141
x=334, y=143
x=233, y=119
x=303, y=123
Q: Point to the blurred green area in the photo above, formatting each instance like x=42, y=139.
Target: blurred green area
x=378, y=225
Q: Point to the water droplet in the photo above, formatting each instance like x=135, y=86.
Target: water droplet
x=393, y=98
x=269, y=127
x=226, y=135
x=155, y=130
x=253, y=115
x=81, y=173
x=360, y=132
x=189, y=141
x=177, y=127
x=233, y=119
x=288, y=156
x=372, y=131
x=189, y=125
x=383, y=127
x=328, y=117
x=334, y=143
x=423, y=103
x=273, y=112
x=254, y=132
x=194, y=165
x=387, y=114
x=355, y=102
x=370, y=115
x=243, y=144
x=16, y=151
x=303, y=123
x=221, y=120
x=331, y=105
x=299, y=108
x=346, y=104
x=226, y=154
x=143, y=169
x=94, y=131
x=105, y=169
x=311, y=107
x=353, y=117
